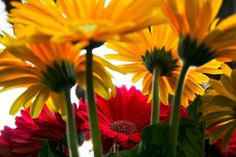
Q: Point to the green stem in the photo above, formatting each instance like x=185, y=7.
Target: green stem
x=175, y=112
x=93, y=118
x=155, y=116
x=71, y=126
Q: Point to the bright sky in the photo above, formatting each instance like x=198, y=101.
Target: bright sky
x=8, y=97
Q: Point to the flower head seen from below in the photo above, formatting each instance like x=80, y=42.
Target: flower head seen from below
x=123, y=117
x=219, y=105
x=29, y=135
x=46, y=70
x=157, y=47
x=83, y=21
x=202, y=37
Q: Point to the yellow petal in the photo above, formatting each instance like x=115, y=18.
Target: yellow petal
x=226, y=69
x=57, y=103
x=17, y=83
x=24, y=98
x=107, y=64
x=163, y=90
x=227, y=22
x=38, y=103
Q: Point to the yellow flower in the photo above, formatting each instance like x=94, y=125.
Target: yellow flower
x=219, y=106
x=203, y=38
x=82, y=20
x=156, y=40
x=46, y=70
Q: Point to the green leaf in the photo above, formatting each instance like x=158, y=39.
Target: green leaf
x=111, y=155
x=46, y=151
x=50, y=149
x=191, y=139
x=193, y=108
x=81, y=138
x=154, y=140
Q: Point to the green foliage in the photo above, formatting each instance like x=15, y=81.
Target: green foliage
x=50, y=149
x=110, y=155
x=191, y=139
x=81, y=138
x=193, y=109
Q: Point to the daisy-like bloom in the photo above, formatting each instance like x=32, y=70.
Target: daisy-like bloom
x=80, y=20
x=202, y=37
x=123, y=117
x=219, y=105
x=28, y=136
x=157, y=47
x=46, y=70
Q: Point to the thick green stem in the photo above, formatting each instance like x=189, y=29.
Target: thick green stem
x=175, y=112
x=93, y=118
x=155, y=116
x=71, y=126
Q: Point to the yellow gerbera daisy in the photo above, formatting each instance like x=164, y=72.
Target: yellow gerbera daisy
x=45, y=70
x=156, y=40
x=219, y=105
x=82, y=20
x=203, y=38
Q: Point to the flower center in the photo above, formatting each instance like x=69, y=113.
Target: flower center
x=161, y=59
x=123, y=126
x=193, y=52
x=59, y=75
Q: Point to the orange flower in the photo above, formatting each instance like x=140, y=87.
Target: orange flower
x=82, y=20
x=203, y=36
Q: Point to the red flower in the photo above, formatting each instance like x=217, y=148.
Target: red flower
x=26, y=139
x=123, y=117
x=165, y=112
x=48, y=125
x=231, y=148
x=5, y=150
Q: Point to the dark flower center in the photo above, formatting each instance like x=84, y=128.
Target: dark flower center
x=161, y=59
x=123, y=126
x=193, y=52
x=59, y=75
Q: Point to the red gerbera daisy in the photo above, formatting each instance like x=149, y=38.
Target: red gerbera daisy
x=123, y=117
x=10, y=142
x=27, y=138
